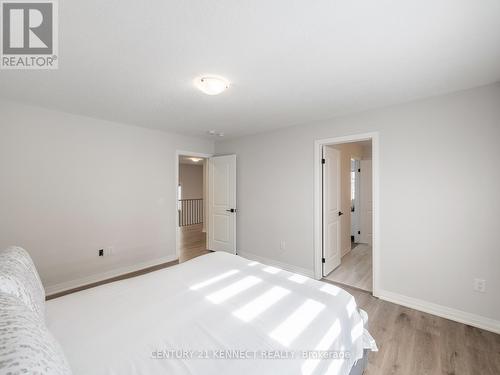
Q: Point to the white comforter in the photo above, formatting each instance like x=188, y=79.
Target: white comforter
x=216, y=314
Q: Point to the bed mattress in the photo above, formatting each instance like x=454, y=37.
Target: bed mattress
x=216, y=314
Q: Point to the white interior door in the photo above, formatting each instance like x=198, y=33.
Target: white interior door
x=222, y=203
x=331, y=209
x=366, y=202
x=355, y=215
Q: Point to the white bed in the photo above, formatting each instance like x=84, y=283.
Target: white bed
x=217, y=305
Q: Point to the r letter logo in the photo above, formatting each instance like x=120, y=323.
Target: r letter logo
x=29, y=34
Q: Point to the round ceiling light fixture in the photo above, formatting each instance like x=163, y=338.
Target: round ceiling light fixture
x=215, y=133
x=212, y=85
x=195, y=160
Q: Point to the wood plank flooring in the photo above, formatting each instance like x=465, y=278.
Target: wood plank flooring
x=112, y=279
x=192, y=242
x=415, y=343
x=355, y=269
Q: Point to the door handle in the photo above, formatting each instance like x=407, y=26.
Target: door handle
x=340, y=213
x=232, y=210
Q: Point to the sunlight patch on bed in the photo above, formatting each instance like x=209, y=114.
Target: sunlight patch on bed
x=298, y=279
x=261, y=303
x=328, y=339
x=293, y=326
x=233, y=289
x=213, y=280
x=330, y=289
x=271, y=270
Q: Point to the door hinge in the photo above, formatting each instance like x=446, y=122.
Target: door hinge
x=359, y=169
x=323, y=161
x=323, y=260
x=359, y=232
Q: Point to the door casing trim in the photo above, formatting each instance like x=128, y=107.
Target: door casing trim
x=318, y=201
x=179, y=153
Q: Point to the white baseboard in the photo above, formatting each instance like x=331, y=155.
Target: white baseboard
x=414, y=303
x=76, y=283
x=275, y=263
x=442, y=311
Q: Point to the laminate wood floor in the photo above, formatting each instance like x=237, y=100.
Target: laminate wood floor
x=411, y=342
x=192, y=242
x=355, y=268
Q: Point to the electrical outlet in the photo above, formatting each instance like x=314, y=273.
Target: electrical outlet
x=110, y=251
x=480, y=285
x=100, y=252
x=282, y=245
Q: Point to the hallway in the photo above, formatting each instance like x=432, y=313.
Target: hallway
x=192, y=242
x=355, y=269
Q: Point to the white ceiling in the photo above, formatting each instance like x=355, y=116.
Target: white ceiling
x=290, y=62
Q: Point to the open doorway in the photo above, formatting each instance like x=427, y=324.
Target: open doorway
x=192, y=207
x=347, y=213
x=206, y=209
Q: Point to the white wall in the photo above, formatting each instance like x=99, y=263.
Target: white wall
x=70, y=185
x=191, y=180
x=439, y=196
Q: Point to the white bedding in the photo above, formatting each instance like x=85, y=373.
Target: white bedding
x=217, y=305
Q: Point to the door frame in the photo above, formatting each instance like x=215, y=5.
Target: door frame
x=318, y=201
x=193, y=154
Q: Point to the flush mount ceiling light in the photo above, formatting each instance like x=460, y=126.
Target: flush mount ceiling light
x=196, y=160
x=215, y=133
x=212, y=85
